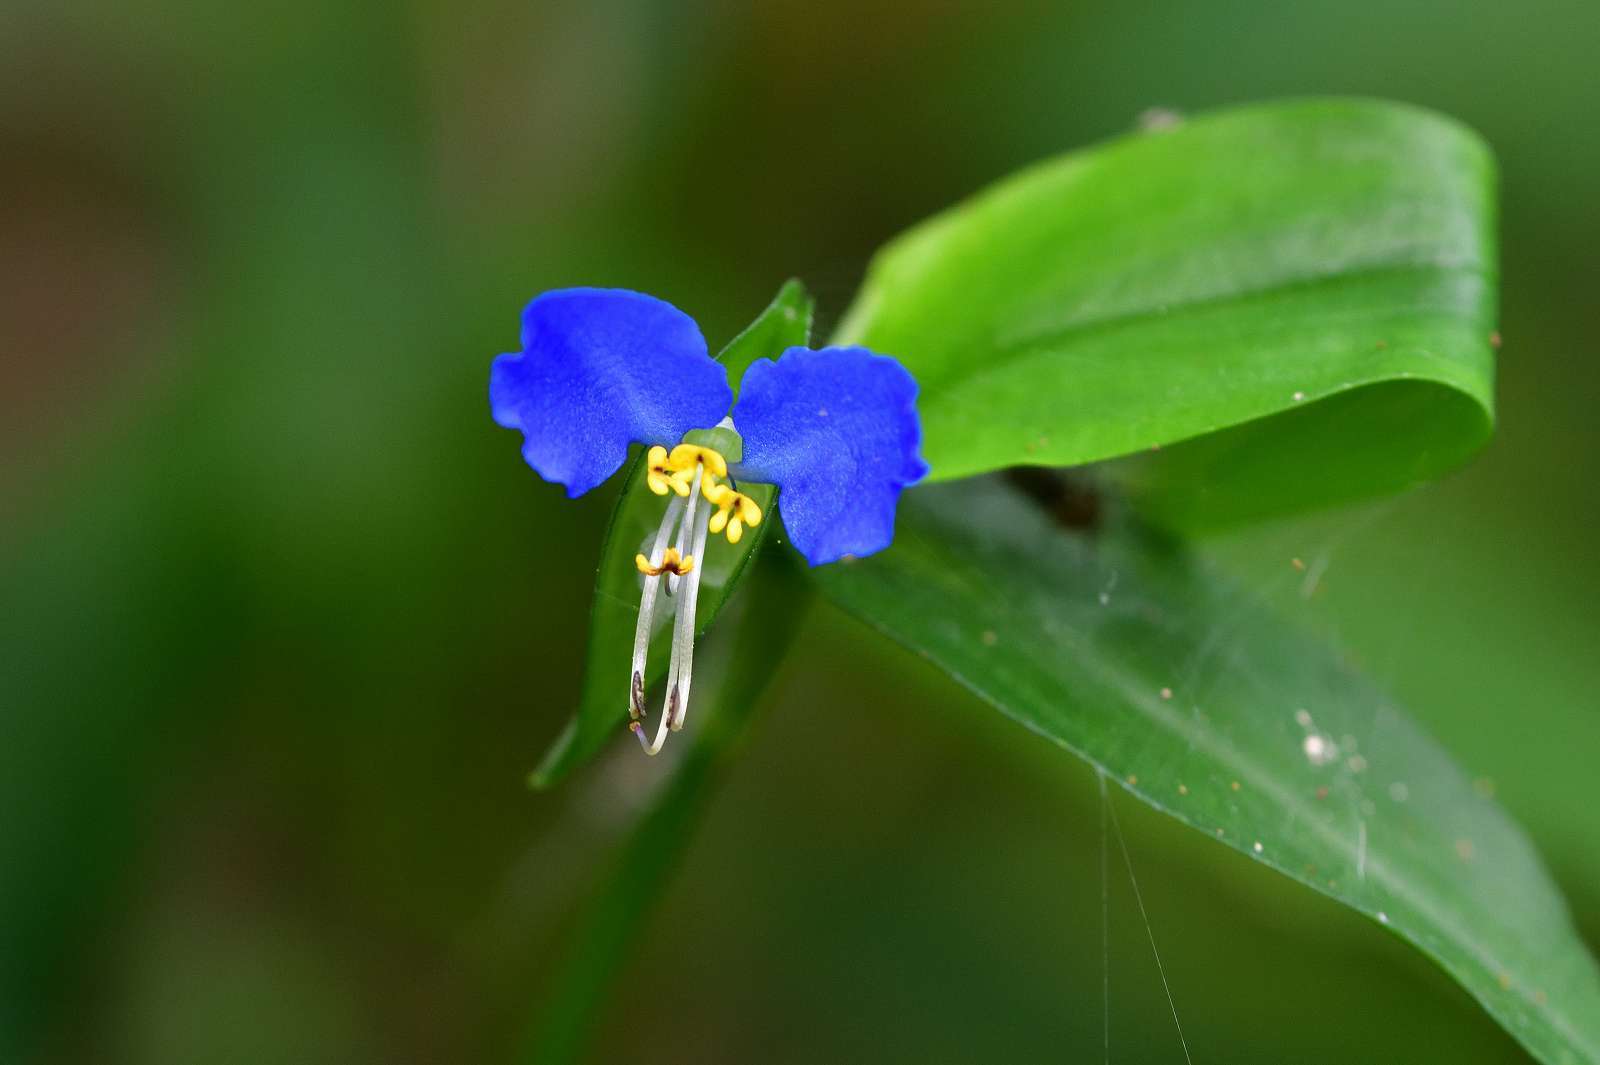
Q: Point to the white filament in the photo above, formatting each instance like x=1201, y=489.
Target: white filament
x=647, y=609
x=686, y=530
x=679, y=672
x=691, y=543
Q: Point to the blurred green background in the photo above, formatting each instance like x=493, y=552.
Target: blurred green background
x=286, y=620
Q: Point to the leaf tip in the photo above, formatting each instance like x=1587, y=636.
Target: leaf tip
x=556, y=761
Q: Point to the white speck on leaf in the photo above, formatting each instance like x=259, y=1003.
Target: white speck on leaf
x=1313, y=577
x=1159, y=119
x=1319, y=750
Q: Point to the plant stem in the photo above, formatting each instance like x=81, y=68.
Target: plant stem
x=620, y=907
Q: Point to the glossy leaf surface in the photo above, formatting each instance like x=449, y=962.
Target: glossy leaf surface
x=1300, y=296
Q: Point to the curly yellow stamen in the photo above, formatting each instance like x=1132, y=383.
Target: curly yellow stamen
x=684, y=457
x=671, y=562
x=735, y=510
x=661, y=476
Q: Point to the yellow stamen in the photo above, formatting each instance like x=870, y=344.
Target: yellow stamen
x=735, y=510
x=661, y=476
x=684, y=457
x=671, y=562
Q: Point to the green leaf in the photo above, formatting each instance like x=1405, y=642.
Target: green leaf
x=1251, y=283
x=615, y=613
x=784, y=324
x=1131, y=655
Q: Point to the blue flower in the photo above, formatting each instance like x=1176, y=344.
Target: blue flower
x=598, y=369
x=835, y=429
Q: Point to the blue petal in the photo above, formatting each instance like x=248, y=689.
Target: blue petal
x=599, y=369
x=837, y=431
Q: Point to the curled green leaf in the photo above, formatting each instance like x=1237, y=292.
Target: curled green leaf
x=1276, y=307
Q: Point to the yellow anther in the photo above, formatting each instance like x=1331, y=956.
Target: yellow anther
x=684, y=457
x=671, y=562
x=735, y=510
x=662, y=477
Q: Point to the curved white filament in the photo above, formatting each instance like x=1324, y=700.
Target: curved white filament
x=647, y=610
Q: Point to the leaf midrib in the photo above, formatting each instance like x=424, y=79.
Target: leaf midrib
x=1007, y=353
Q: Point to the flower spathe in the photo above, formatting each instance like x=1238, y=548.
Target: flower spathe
x=835, y=429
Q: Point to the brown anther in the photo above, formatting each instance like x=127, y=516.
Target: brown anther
x=671, y=562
